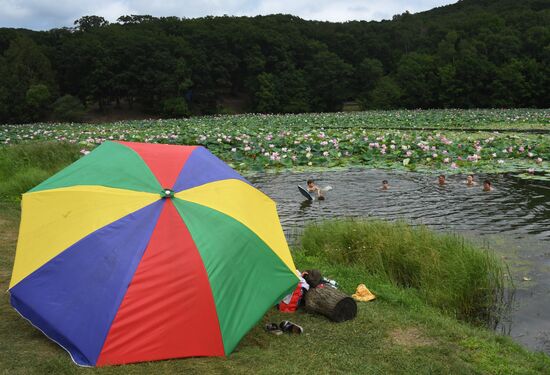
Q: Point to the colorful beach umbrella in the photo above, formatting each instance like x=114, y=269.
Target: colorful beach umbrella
x=141, y=252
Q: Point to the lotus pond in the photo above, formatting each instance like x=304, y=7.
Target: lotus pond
x=380, y=139
x=511, y=147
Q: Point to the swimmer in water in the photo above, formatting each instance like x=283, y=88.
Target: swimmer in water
x=441, y=180
x=312, y=188
x=470, y=180
x=487, y=186
x=385, y=185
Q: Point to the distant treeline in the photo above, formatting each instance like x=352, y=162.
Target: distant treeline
x=475, y=53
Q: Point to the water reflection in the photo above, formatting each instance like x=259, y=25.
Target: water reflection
x=513, y=219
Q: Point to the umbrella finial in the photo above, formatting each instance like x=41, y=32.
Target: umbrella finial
x=167, y=193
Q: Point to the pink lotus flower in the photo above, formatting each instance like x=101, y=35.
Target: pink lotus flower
x=453, y=165
x=539, y=160
x=446, y=160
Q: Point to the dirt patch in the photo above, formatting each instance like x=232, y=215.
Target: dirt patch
x=8, y=232
x=410, y=337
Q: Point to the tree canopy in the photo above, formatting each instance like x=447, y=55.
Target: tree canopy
x=475, y=53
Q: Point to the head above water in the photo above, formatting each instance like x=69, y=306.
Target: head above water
x=384, y=182
x=310, y=182
x=487, y=185
x=441, y=179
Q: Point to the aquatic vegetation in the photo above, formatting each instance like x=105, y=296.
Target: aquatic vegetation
x=391, y=139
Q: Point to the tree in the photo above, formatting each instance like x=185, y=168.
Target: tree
x=88, y=23
x=38, y=98
x=266, y=97
x=135, y=19
x=175, y=107
x=367, y=75
x=385, y=95
x=328, y=78
x=68, y=108
x=26, y=66
x=418, y=80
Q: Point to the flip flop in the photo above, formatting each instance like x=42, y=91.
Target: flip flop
x=273, y=328
x=288, y=326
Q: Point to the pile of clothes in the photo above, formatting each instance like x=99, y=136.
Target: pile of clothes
x=308, y=279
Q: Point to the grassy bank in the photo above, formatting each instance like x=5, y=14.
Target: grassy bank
x=25, y=166
x=446, y=271
x=398, y=333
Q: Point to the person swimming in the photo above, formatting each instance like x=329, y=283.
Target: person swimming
x=385, y=185
x=320, y=192
x=441, y=180
x=487, y=186
x=470, y=180
x=313, y=188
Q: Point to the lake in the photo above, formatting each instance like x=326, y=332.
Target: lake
x=513, y=220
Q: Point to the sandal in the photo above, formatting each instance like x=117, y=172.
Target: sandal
x=288, y=326
x=273, y=328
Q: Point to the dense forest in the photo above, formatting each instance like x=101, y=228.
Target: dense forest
x=475, y=53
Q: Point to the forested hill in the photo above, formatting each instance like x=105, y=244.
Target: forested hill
x=475, y=53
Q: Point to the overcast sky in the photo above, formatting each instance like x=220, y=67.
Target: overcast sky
x=44, y=14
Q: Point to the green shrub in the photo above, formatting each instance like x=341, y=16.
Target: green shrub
x=38, y=99
x=175, y=107
x=68, y=108
x=447, y=271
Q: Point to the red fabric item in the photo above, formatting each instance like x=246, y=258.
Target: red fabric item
x=168, y=310
x=292, y=306
x=165, y=161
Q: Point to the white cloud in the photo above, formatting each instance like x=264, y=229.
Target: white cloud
x=42, y=14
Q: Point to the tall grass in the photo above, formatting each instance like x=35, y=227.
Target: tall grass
x=447, y=271
x=24, y=166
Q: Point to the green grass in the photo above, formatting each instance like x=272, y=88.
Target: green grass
x=446, y=271
x=398, y=333
x=25, y=166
